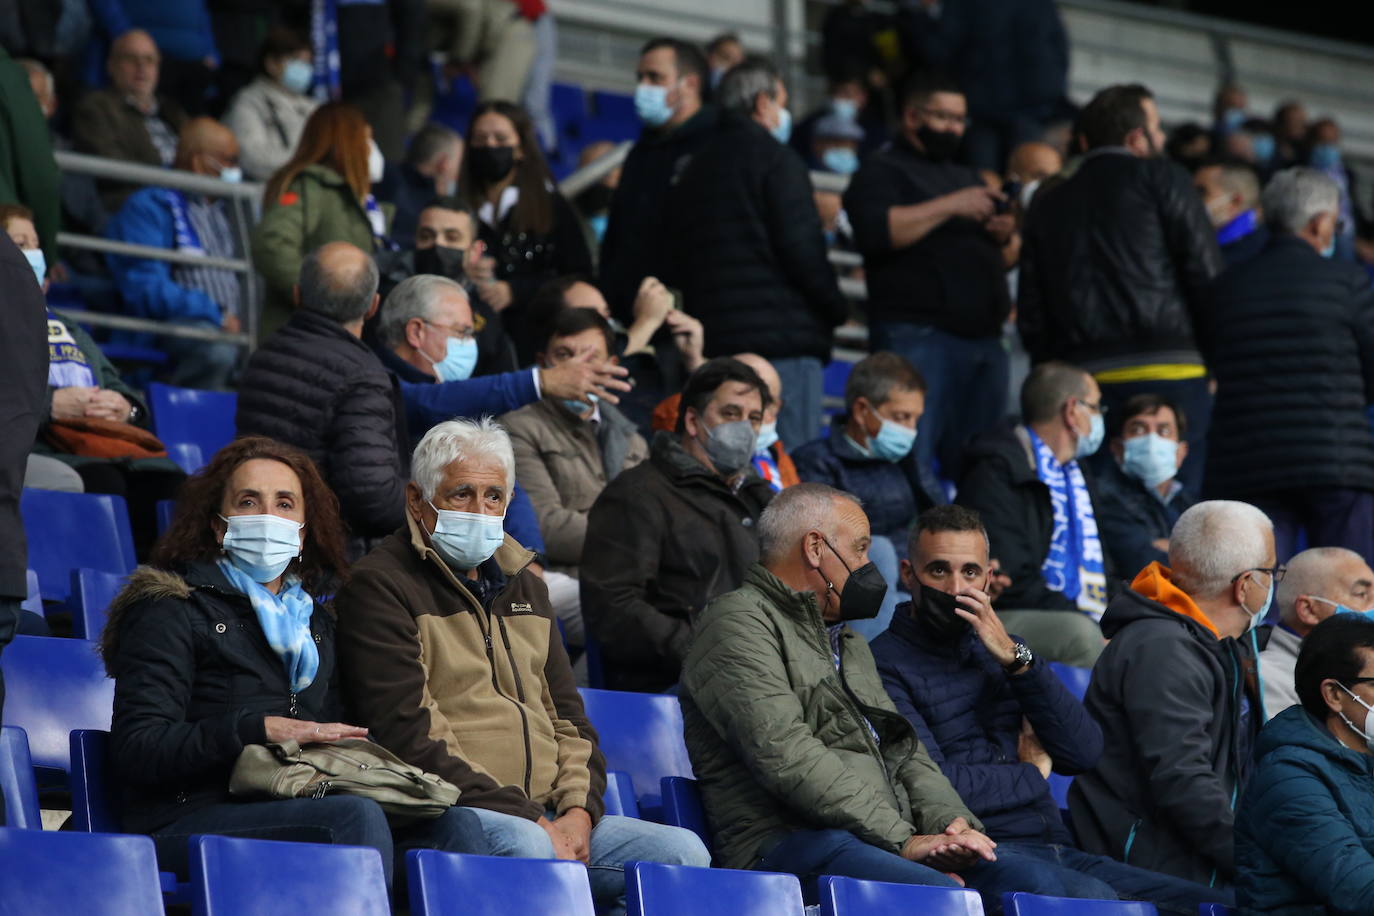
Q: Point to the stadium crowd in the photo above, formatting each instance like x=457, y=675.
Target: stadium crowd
x=490, y=436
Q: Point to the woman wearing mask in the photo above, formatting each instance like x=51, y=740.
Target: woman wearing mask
x=531, y=233
x=1305, y=825
x=220, y=644
x=268, y=115
x=322, y=194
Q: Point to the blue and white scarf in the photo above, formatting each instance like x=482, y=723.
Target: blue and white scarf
x=377, y=220
x=67, y=365
x=324, y=42
x=285, y=621
x=1074, y=565
x=183, y=232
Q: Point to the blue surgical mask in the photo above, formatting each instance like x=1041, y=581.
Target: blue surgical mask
x=893, y=442
x=1325, y=156
x=1258, y=616
x=1089, y=444
x=231, y=173
x=1330, y=250
x=1262, y=145
x=598, y=224
x=1340, y=608
x=651, y=104
x=783, y=131
x=460, y=358
x=841, y=160
x=845, y=109
x=466, y=540
x=37, y=263
x=768, y=434
x=1232, y=119
x=1150, y=459
x=298, y=75
x=581, y=407
x=261, y=545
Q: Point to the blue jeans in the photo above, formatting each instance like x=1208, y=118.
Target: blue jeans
x=1062, y=871
x=966, y=386
x=884, y=555
x=615, y=841
x=809, y=854
x=803, y=386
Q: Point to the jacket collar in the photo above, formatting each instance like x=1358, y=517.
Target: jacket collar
x=799, y=605
x=701, y=122
x=843, y=446
x=510, y=557
x=905, y=627
x=315, y=323
x=403, y=370
x=1155, y=582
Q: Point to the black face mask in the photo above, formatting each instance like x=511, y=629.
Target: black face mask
x=862, y=596
x=940, y=145
x=935, y=612
x=445, y=262
x=491, y=163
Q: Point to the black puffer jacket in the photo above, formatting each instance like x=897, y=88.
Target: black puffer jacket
x=747, y=248
x=194, y=679
x=1114, y=264
x=1290, y=340
x=317, y=387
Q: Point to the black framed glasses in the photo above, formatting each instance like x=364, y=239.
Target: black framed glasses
x=1355, y=682
x=1276, y=572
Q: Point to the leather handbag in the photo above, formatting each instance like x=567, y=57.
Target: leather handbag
x=349, y=766
x=92, y=437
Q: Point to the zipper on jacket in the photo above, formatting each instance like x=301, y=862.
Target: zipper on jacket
x=866, y=726
x=520, y=693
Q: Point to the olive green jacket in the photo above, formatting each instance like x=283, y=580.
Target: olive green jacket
x=318, y=207
x=780, y=739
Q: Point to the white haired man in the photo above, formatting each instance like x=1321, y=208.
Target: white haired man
x=449, y=652
x=1321, y=582
x=1176, y=695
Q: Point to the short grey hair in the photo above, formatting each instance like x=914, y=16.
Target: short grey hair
x=1295, y=195
x=1213, y=542
x=796, y=510
x=432, y=141
x=462, y=441
x=742, y=84
x=413, y=297
x=1309, y=573
x=344, y=296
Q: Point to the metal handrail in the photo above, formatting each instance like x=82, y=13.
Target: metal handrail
x=137, y=173
x=160, y=328
x=594, y=171
x=151, y=252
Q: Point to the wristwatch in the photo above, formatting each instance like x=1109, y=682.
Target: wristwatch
x=1021, y=660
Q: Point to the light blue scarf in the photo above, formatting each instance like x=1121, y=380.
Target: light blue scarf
x=285, y=620
x=1074, y=564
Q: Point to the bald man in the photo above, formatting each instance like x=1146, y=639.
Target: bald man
x=1320, y=582
x=1033, y=161
x=206, y=297
x=129, y=119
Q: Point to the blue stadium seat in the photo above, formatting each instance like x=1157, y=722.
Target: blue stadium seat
x=835, y=377
x=682, y=807
x=652, y=889
x=616, y=130
x=166, y=508
x=73, y=530
x=92, y=592
x=851, y=897
x=1076, y=679
x=17, y=784
x=95, y=800
x=641, y=733
x=50, y=871
x=232, y=876
x=187, y=455
x=620, y=794
x=205, y=418
x=1216, y=909
x=617, y=106
x=1022, y=904
x=34, y=602
x=445, y=884
x=568, y=103
x=51, y=687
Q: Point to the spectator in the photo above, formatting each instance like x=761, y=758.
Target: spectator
x=723, y=53
x=671, y=81
x=429, y=171
x=1190, y=145
x=182, y=34
x=1175, y=694
x=666, y=537
x=380, y=47
x=84, y=385
x=1291, y=435
x=532, y=232
x=847, y=116
x=1123, y=306
x=566, y=452
x=220, y=643
x=937, y=293
x=494, y=40
x=1029, y=164
x=1290, y=133
x=835, y=147
x=1035, y=494
x=1324, y=155
x=22, y=370
x=800, y=774
x=412, y=626
x=327, y=179
x=28, y=173
x=594, y=204
x=748, y=251
x=869, y=453
x=130, y=119
x=185, y=294
x=1231, y=193
x=850, y=43
x=1139, y=495
x=1228, y=109
x=1302, y=831
x=771, y=461
x=268, y=115
x=1320, y=583
x=997, y=721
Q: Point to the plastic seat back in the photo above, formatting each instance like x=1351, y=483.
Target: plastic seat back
x=205, y=418
x=94, y=874
x=641, y=734
x=17, y=784
x=188, y=455
x=95, y=799
x=447, y=884
x=652, y=889
x=92, y=592
x=53, y=686
x=166, y=508
x=1021, y=904
x=69, y=531
x=34, y=601
x=231, y=876
x=620, y=794
x=1216, y=909
x=1076, y=679
x=682, y=807
x=851, y=897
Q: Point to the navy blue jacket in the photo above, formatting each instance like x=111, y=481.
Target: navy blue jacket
x=892, y=494
x=967, y=712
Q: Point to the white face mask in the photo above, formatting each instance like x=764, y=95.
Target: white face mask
x=376, y=162
x=1367, y=733
x=261, y=545
x=466, y=539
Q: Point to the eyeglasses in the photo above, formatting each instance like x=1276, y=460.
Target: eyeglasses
x=944, y=117
x=1098, y=408
x=1276, y=572
x=456, y=333
x=1355, y=682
